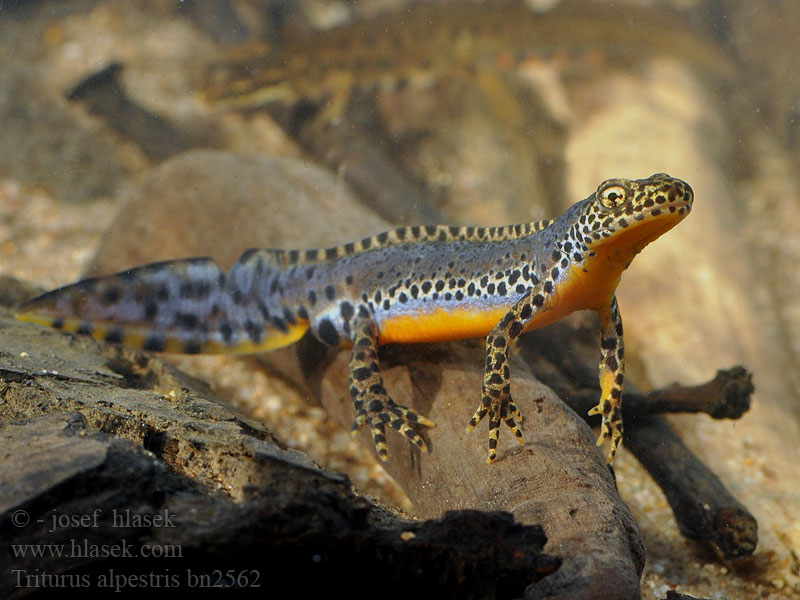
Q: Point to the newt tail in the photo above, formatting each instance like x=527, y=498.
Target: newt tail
x=412, y=284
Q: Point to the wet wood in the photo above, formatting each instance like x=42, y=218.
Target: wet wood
x=559, y=478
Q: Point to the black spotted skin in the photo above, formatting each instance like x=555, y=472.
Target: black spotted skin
x=413, y=284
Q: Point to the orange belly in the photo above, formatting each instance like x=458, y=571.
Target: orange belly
x=439, y=325
x=577, y=291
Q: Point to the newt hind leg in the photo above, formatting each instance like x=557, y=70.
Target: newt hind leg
x=371, y=401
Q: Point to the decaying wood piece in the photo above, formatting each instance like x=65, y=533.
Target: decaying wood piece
x=564, y=357
x=96, y=452
x=559, y=478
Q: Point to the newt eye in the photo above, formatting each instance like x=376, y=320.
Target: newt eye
x=613, y=196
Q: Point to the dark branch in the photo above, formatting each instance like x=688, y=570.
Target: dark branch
x=703, y=507
x=727, y=396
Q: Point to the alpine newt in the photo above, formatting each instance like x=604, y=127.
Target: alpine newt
x=419, y=45
x=412, y=284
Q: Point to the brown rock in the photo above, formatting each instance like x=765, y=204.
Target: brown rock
x=218, y=204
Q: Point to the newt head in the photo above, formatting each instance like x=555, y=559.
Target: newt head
x=623, y=215
x=609, y=228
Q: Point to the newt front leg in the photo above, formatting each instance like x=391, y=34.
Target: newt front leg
x=496, y=398
x=496, y=392
x=612, y=369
